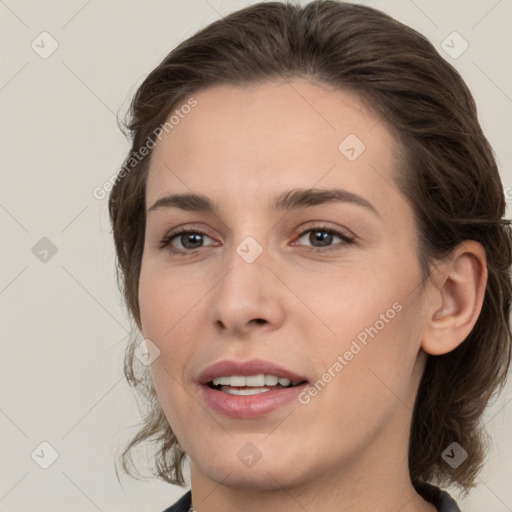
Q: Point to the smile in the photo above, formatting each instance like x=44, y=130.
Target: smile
x=250, y=384
x=249, y=389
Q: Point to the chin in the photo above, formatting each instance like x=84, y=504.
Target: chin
x=268, y=469
x=266, y=477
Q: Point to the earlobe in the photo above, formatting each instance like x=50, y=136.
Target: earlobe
x=457, y=299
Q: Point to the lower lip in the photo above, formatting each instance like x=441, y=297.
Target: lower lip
x=249, y=406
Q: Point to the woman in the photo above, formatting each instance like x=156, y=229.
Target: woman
x=310, y=236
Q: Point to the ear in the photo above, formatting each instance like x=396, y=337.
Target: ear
x=456, y=298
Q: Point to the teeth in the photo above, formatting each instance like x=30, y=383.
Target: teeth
x=256, y=381
x=237, y=381
x=253, y=391
x=271, y=380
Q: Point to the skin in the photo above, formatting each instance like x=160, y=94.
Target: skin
x=347, y=448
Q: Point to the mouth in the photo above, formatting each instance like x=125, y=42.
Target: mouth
x=249, y=389
x=241, y=385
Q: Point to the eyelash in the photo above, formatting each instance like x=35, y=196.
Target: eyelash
x=165, y=242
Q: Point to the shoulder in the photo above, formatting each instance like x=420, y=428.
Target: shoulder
x=439, y=498
x=182, y=505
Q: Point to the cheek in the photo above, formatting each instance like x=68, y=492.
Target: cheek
x=365, y=383
x=164, y=298
x=371, y=322
x=349, y=304
x=164, y=323
x=171, y=310
x=161, y=311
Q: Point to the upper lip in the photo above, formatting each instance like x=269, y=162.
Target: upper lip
x=228, y=367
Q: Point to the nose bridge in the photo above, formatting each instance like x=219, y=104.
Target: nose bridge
x=246, y=271
x=247, y=291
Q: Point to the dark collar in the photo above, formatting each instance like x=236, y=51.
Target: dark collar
x=182, y=505
x=439, y=498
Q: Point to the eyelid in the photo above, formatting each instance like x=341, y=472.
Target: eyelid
x=325, y=226
x=346, y=239
x=176, y=232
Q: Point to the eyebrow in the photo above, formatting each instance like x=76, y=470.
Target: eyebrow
x=290, y=200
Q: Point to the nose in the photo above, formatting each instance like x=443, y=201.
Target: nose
x=247, y=298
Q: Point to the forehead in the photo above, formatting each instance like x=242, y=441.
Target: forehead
x=250, y=140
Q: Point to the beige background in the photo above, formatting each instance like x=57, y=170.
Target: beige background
x=63, y=325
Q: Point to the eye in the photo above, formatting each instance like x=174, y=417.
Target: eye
x=186, y=241
x=321, y=237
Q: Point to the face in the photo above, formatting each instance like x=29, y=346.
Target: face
x=281, y=277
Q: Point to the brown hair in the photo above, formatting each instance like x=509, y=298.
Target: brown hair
x=448, y=174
